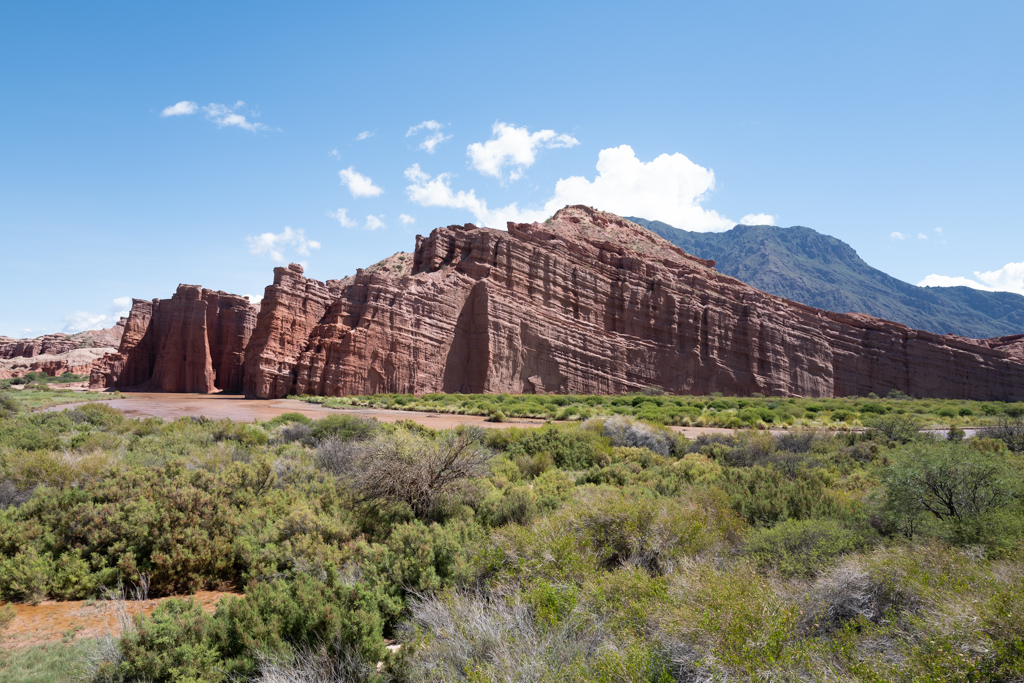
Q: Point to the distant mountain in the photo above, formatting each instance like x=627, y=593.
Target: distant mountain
x=803, y=265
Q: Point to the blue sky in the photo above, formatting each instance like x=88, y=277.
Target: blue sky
x=143, y=145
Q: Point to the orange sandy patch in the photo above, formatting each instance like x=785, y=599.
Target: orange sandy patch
x=51, y=621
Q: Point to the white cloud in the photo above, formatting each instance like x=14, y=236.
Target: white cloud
x=364, y=135
x=406, y=219
x=669, y=188
x=273, y=245
x=220, y=114
x=759, y=219
x=374, y=222
x=435, y=138
x=334, y=153
x=253, y=298
x=939, y=230
x=1009, y=278
x=183, y=108
x=922, y=236
x=950, y=281
x=79, y=321
x=122, y=307
x=224, y=115
x=515, y=148
x=358, y=184
x=341, y=215
x=897, y=236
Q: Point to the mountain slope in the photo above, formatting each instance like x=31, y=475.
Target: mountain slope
x=814, y=269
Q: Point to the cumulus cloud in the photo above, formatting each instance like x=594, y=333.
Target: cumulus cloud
x=341, y=215
x=374, y=222
x=364, y=135
x=515, y=148
x=435, y=136
x=253, y=298
x=334, y=153
x=922, y=236
x=759, y=219
x=122, y=306
x=1009, y=278
x=80, y=321
x=406, y=219
x=669, y=188
x=183, y=108
x=358, y=184
x=274, y=244
x=897, y=236
x=220, y=114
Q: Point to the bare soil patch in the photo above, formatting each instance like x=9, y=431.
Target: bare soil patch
x=51, y=621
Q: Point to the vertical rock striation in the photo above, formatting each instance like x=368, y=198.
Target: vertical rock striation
x=193, y=342
x=290, y=309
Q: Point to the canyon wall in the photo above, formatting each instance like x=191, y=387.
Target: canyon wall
x=585, y=303
x=193, y=342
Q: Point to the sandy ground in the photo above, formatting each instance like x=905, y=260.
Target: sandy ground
x=52, y=622
x=219, y=406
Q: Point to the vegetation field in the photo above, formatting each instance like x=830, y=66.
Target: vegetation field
x=604, y=549
x=698, y=411
x=40, y=396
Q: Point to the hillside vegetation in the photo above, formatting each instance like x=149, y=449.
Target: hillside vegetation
x=806, y=266
x=609, y=549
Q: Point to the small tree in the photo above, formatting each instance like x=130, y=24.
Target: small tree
x=1009, y=430
x=406, y=467
x=899, y=427
x=948, y=482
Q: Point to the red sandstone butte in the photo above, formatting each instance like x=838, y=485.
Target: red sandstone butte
x=193, y=342
x=591, y=303
x=290, y=308
x=586, y=302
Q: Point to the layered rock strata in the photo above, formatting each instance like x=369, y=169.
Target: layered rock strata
x=289, y=310
x=591, y=303
x=193, y=342
x=58, y=343
x=584, y=303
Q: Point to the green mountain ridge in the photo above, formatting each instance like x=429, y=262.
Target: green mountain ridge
x=811, y=268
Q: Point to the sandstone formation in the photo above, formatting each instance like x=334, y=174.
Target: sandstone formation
x=77, y=361
x=587, y=302
x=290, y=309
x=52, y=344
x=193, y=342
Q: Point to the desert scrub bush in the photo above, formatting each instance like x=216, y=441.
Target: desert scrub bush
x=764, y=496
x=803, y=547
x=406, y=467
x=738, y=621
x=568, y=448
x=1009, y=430
x=343, y=427
x=960, y=488
x=603, y=529
x=850, y=593
x=901, y=428
x=622, y=431
x=497, y=635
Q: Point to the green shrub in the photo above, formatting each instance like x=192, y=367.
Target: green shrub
x=569, y=448
x=802, y=547
x=344, y=427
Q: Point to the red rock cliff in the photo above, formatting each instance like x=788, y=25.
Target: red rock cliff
x=290, y=308
x=193, y=342
x=589, y=302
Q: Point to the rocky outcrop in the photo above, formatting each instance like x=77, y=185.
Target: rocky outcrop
x=77, y=361
x=193, y=342
x=591, y=303
x=289, y=310
x=58, y=343
x=585, y=303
